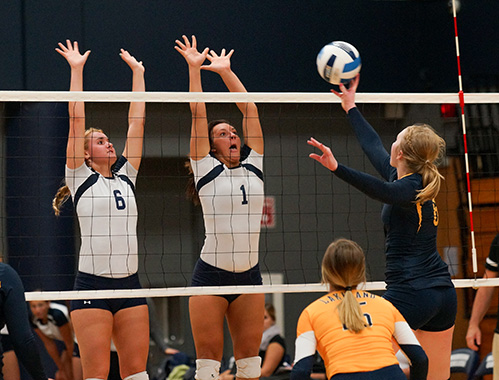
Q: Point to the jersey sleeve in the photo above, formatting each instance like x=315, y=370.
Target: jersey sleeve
x=202, y=167
x=59, y=317
x=75, y=177
x=305, y=347
x=492, y=261
x=371, y=143
x=122, y=166
x=410, y=346
x=401, y=191
x=17, y=320
x=254, y=159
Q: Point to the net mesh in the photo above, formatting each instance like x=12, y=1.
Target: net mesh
x=306, y=207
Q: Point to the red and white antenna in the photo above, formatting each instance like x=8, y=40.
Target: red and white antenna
x=463, y=122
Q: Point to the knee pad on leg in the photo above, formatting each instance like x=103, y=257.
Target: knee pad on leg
x=207, y=369
x=249, y=368
x=138, y=376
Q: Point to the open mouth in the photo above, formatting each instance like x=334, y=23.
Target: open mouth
x=233, y=147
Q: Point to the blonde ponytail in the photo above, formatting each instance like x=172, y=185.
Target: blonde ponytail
x=350, y=313
x=344, y=267
x=61, y=196
x=423, y=149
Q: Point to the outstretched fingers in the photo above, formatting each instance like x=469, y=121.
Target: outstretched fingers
x=71, y=53
x=317, y=144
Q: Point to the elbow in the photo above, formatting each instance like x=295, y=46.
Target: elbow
x=419, y=368
x=266, y=372
x=251, y=110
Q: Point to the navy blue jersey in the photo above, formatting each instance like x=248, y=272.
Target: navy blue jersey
x=492, y=263
x=410, y=227
x=14, y=314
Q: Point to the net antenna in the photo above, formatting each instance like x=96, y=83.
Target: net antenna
x=463, y=122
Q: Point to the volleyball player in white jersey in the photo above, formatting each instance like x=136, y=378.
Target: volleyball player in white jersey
x=229, y=182
x=51, y=322
x=102, y=188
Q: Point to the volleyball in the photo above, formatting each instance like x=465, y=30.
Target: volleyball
x=338, y=62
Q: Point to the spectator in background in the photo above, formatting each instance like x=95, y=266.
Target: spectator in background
x=481, y=304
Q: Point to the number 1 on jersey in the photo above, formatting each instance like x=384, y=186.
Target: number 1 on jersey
x=245, y=201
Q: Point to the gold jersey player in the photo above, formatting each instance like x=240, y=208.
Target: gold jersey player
x=353, y=329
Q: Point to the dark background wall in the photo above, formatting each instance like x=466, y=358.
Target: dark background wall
x=406, y=46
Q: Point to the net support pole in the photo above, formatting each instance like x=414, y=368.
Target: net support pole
x=463, y=123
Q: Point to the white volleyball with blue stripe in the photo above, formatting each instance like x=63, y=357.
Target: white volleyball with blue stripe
x=338, y=62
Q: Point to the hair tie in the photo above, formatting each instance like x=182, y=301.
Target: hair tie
x=348, y=288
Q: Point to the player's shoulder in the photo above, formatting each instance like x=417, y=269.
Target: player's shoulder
x=59, y=313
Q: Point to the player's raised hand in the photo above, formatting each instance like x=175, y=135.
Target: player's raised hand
x=218, y=63
x=327, y=158
x=131, y=61
x=189, y=51
x=347, y=95
x=71, y=52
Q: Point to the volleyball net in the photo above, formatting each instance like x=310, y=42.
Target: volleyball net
x=305, y=206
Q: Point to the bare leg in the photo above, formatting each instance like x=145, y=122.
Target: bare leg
x=207, y=318
x=10, y=366
x=93, y=329
x=245, y=320
x=438, y=347
x=131, y=337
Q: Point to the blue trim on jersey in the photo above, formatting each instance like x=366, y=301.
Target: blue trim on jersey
x=253, y=169
x=127, y=180
x=120, y=162
x=217, y=170
x=214, y=173
x=90, y=181
x=245, y=151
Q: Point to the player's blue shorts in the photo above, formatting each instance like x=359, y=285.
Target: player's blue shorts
x=392, y=372
x=207, y=275
x=432, y=309
x=85, y=281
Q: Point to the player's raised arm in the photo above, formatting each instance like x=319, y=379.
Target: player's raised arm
x=252, y=130
x=75, y=148
x=136, y=113
x=200, y=143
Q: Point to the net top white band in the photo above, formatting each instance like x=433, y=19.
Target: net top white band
x=227, y=97
x=210, y=290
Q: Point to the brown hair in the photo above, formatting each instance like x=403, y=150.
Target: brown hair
x=63, y=192
x=190, y=191
x=343, y=268
x=422, y=149
x=269, y=308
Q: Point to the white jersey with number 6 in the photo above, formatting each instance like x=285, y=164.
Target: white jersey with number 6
x=107, y=213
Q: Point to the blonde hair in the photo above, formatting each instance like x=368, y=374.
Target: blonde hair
x=344, y=267
x=423, y=149
x=63, y=192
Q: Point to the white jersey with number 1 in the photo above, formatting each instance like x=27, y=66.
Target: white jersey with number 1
x=232, y=202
